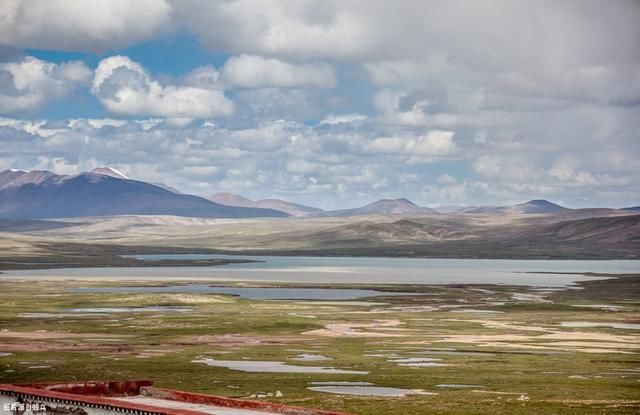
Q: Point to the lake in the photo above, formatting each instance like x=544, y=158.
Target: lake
x=253, y=293
x=355, y=270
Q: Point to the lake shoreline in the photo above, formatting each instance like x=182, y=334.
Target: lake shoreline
x=334, y=271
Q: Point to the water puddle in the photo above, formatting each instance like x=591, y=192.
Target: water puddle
x=476, y=311
x=424, y=364
x=369, y=391
x=310, y=357
x=535, y=298
x=274, y=367
x=604, y=307
x=455, y=352
x=589, y=324
x=55, y=315
x=112, y=310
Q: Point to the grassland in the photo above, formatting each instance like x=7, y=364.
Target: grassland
x=520, y=357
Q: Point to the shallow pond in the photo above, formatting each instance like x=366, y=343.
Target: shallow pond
x=112, y=310
x=274, y=367
x=369, y=391
x=588, y=324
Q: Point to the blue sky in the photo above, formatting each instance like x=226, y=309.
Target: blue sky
x=331, y=103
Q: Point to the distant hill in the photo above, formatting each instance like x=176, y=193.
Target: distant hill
x=28, y=225
x=482, y=209
x=455, y=237
x=12, y=178
x=384, y=207
x=43, y=194
x=538, y=206
x=449, y=209
x=530, y=207
x=403, y=231
x=293, y=209
x=230, y=199
x=600, y=230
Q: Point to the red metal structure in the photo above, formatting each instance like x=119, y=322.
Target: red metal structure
x=111, y=396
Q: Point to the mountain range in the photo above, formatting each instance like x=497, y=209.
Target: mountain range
x=293, y=209
x=105, y=191
x=400, y=206
x=532, y=206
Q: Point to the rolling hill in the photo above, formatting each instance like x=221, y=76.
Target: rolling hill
x=400, y=206
x=293, y=209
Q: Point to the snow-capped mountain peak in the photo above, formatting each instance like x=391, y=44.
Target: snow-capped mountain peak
x=110, y=171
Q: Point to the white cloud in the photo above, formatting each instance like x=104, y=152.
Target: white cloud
x=303, y=167
x=248, y=71
x=434, y=143
x=446, y=178
x=256, y=105
x=309, y=164
x=302, y=28
x=344, y=119
x=521, y=118
x=566, y=169
x=506, y=168
x=90, y=26
x=486, y=35
x=27, y=84
x=124, y=87
x=206, y=77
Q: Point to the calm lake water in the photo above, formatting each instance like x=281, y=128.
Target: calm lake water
x=254, y=293
x=357, y=270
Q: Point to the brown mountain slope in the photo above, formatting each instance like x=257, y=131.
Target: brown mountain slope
x=607, y=230
x=404, y=230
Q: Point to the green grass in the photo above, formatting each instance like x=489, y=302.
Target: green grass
x=546, y=379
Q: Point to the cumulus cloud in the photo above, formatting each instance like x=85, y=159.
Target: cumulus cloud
x=257, y=105
x=27, y=84
x=353, y=98
x=344, y=119
x=566, y=169
x=248, y=71
x=207, y=77
x=307, y=164
x=287, y=28
x=486, y=33
x=502, y=168
x=90, y=26
x=124, y=87
x=434, y=143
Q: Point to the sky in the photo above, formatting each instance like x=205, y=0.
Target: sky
x=332, y=103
